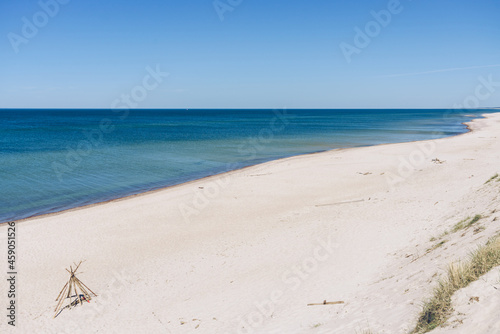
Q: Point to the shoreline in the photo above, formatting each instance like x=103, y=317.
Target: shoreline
x=207, y=178
x=273, y=239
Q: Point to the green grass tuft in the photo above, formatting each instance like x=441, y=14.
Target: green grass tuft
x=438, y=308
x=474, y=220
x=466, y=223
x=492, y=178
x=439, y=244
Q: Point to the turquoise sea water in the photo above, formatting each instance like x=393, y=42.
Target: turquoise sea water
x=52, y=160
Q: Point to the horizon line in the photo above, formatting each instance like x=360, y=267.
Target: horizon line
x=353, y=108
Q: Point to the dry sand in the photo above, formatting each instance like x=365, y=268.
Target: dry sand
x=246, y=251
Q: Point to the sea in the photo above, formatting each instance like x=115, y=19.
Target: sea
x=57, y=159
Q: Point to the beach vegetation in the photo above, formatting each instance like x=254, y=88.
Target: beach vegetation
x=438, y=308
x=461, y=225
x=474, y=220
x=439, y=244
x=441, y=236
x=444, y=234
x=466, y=223
x=492, y=178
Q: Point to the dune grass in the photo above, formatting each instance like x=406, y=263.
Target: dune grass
x=438, y=308
x=461, y=225
x=492, y=178
x=466, y=223
x=439, y=244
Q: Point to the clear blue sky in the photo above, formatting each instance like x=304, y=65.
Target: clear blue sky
x=264, y=54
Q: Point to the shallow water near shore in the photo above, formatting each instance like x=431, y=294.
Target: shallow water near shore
x=51, y=160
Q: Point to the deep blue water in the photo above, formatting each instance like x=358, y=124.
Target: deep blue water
x=52, y=160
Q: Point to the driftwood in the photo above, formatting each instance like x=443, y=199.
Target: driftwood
x=70, y=290
x=337, y=203
x=326, y=303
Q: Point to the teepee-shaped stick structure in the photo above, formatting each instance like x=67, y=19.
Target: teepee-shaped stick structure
x=74, y=288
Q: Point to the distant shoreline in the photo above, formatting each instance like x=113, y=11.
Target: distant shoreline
x=209, y=177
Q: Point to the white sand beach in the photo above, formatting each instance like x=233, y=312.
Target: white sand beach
x=248, y=250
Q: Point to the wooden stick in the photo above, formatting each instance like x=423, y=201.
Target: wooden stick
x=74, y=285
x=87, y=288
x=57, y=313
x=326, y=303
x=60, y=293
x=78, y=266
x=85, y=292
x=337, y=203
x=70, y=286
x=61, y=300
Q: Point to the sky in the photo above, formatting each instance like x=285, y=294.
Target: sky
x=249, y=54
